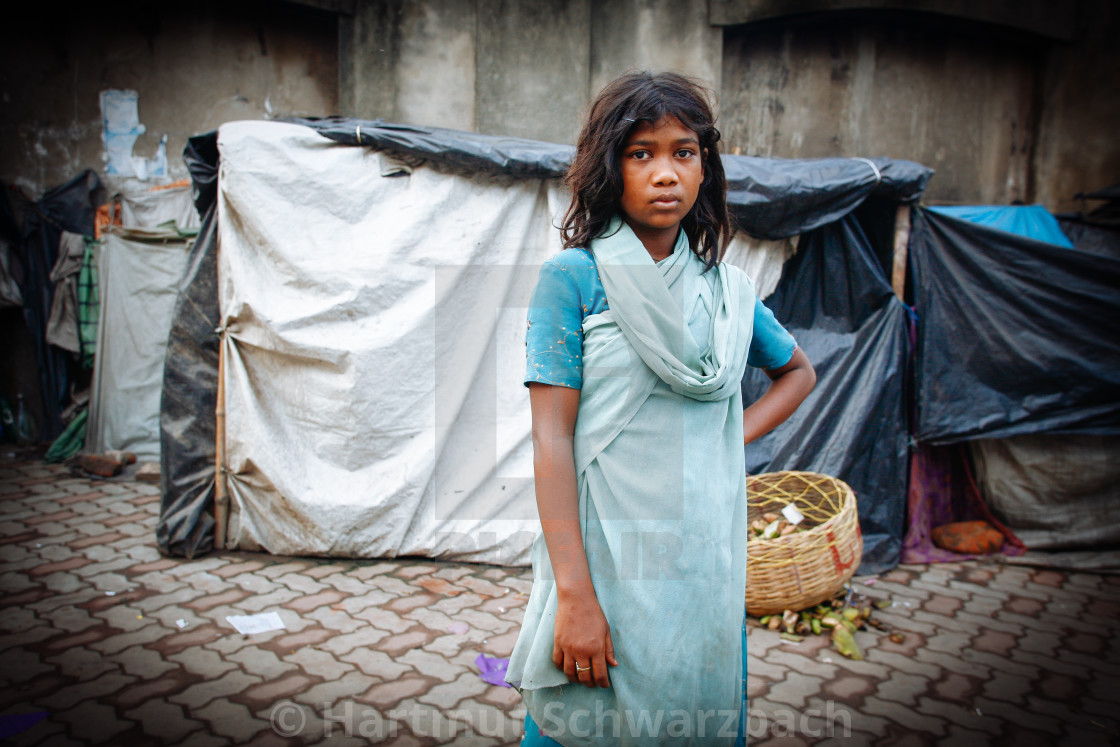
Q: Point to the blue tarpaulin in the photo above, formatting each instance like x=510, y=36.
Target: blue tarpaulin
x=1031, y=221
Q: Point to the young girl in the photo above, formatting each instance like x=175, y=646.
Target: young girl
x=638, y=338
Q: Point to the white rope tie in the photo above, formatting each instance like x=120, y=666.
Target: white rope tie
x=878, y=174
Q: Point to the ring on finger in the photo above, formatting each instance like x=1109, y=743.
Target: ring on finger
x=582, y=669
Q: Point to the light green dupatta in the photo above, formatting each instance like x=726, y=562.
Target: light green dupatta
x=662, y=498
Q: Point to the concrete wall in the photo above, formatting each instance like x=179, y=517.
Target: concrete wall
x=1040, y=17
x=1078, y=146
x=960, y=103
x=1011, y=100
x=1007, y=101
x=526, y=68
x=194, y=66
x=1001, y=114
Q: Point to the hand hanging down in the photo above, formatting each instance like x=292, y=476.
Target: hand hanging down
x=582, y=646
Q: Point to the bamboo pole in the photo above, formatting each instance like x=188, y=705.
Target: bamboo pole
x=901, y=246
x=221, y=498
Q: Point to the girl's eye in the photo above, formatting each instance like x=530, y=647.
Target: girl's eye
x=685, y=153
x=640, y=155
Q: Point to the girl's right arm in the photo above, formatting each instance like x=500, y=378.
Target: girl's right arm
x=582, y=633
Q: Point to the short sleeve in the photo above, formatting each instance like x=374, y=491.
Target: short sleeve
x=554, y=335
x=771, y=345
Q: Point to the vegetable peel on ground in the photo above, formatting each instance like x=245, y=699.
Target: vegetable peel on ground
x=844, y=641
x=839, y=617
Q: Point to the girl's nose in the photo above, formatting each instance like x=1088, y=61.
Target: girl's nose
x=665, y=174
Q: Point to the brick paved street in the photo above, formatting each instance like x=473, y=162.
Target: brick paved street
x=102, y=641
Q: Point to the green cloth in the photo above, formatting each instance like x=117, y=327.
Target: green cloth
x=662, y=501
x=89, y=303
x=69, y=441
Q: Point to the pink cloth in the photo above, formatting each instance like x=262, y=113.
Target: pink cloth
x=942, y=491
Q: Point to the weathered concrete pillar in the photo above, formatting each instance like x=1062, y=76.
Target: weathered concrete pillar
x=408, y=61
x=533, y=60
x=655, y=35
x=501, y=67
x=525, y=68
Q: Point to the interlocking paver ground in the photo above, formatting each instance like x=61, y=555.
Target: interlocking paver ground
x=112, y=644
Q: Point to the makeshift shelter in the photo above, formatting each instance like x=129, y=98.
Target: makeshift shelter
x=1018, y=359
x=134, y=270
x=836, y=299
x=129, y=279
x=67, y=208
x=369, y=301
x=138, y=272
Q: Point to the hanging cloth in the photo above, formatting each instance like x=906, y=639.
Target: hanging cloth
x=62, y=327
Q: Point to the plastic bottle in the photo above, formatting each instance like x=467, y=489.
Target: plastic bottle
x=25, y=426
x=7, y=421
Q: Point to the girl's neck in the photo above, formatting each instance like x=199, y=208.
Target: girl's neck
x=658, y=242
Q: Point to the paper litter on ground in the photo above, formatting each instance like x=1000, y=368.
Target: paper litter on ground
x=249, y=624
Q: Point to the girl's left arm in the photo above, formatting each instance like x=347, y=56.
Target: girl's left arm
x=789, y=386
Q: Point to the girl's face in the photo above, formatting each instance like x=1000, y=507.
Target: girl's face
x=662, y=168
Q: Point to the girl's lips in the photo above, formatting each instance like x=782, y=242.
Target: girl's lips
x=666, y=200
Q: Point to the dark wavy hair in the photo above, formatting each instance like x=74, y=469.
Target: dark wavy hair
x=595, y=176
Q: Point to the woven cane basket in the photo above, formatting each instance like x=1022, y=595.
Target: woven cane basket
x=806, y=567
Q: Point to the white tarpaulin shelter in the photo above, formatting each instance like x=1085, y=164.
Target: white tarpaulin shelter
x=374, y=348
x=368, y=282
x=138, y=272
x=140, y=264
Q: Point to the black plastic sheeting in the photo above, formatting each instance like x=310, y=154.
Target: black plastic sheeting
x=467, y=151
x=773, y=199
x=1091, y=238
x=68, y=207
x=769, y=198
x=836, y=300
x=190, y=377
x=1015, y=336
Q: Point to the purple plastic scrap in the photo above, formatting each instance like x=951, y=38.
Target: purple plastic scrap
x=14, y=723
x=492, y=669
